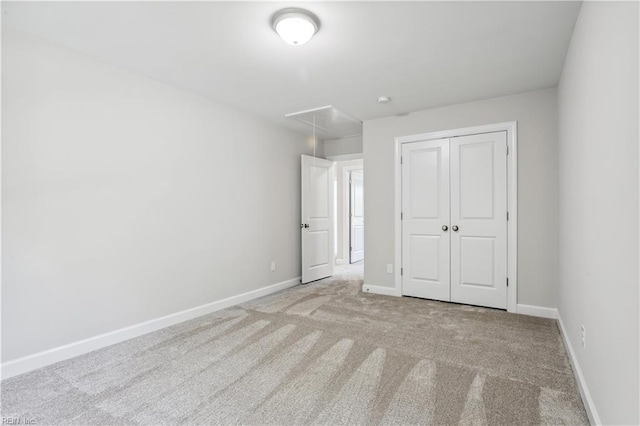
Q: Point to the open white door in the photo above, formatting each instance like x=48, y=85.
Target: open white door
x=317, y=218
x=356, y=218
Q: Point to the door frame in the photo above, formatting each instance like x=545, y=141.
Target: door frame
x=350, y=209
x=344, y=239
x=511, y=127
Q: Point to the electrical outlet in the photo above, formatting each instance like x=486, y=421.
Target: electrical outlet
x=273, y=266
x=389, y=268
x=583, y=336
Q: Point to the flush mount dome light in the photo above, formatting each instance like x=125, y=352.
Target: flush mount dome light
x=295, y=26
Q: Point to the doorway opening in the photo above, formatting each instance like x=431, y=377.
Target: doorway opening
x=332, y=223
x=349, y=217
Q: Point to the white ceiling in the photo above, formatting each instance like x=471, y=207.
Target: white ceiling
x=421, y=54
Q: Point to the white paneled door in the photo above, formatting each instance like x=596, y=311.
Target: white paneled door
x=356, y=220
x=454, y=207
x=479, y=219
x=317, y=218
x=425, y=219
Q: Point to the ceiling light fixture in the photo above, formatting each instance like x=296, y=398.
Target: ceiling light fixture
x=384, y=100
x=294, y=25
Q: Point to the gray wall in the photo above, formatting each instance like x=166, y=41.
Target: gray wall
x=598, y=164
x=125, y=200
x=345, y=146
x=536, y=114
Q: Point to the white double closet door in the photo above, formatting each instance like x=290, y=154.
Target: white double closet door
x=454, y=219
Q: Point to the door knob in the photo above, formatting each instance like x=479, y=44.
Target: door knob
x=304, y=225
x=445, y=228
x=455, y=228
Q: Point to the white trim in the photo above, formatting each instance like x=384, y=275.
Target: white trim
x=397, y=202
x=511, y=128
x=512, y=224
x=589, y=405
x=71, y=350
x=340, y=262
x=537, y=311
x=376, y=289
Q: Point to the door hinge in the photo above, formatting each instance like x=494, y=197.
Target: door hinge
x=401, y=159
x=507, y=215
x=507, y=281
x=507, y=149
x=401, y=271
x=401, y=215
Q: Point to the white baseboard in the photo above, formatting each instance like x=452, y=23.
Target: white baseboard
x=376, y=289
x=51, y=356
x=589, y=406
x=537, y=311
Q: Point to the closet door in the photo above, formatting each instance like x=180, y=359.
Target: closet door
x=425, y=219
x=479, y=219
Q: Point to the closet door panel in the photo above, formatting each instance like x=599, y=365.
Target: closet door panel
x=478, y=219
x=425, y=211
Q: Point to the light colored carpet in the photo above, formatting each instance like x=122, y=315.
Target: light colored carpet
x=322, y=353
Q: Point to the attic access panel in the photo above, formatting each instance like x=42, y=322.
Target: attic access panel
x=330, y=122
